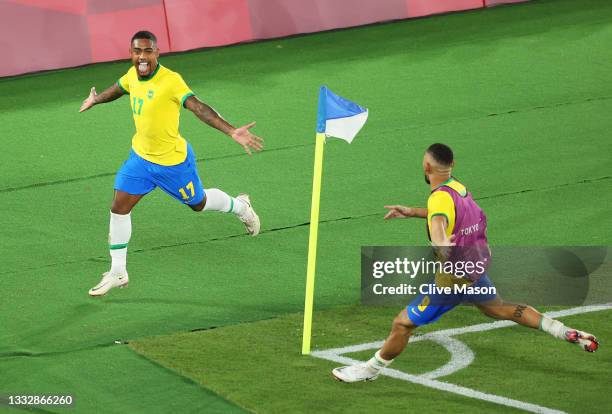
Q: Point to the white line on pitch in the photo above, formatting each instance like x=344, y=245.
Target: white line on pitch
x=335, y=355
x=468, y=329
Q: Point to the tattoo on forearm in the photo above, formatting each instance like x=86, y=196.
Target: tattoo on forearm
x=206, y=113
x=109, y=95
x=211, y=117
x=518, y=311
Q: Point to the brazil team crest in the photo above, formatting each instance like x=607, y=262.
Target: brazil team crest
x=150, y=94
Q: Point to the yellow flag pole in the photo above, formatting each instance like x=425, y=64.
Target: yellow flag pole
x=312, y=243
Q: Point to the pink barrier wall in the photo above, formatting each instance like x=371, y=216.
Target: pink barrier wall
x=49, y=34
x=418, y=8
x=111, y=25
x=219, y=22
x=275, y=18
x=489, y=3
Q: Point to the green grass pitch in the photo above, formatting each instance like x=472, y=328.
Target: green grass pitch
x=522, y=93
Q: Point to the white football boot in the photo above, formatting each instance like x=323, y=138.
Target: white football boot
x=249, y=218
x=109, y=281
x=355, y=373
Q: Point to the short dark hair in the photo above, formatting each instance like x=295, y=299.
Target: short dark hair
x=144, y=34
x=441, y=153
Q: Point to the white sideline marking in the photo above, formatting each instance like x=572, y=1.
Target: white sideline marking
x=461, y=357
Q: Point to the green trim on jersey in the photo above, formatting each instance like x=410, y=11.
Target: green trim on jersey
x=444, y=183
x=231, y=210
x=184, y=98
x=455, y=185
x=122, y=88
x=458, y=187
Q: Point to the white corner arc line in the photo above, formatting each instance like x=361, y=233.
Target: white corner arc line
x=427, y=380
x=461, y=356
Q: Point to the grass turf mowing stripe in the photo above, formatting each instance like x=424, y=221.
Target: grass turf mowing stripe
x=268, y=150
x=113, y=379
x=270, y=351
x=486, y=198
x=112, y=174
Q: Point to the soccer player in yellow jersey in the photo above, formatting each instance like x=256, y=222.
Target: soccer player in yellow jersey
x=160, y=156
x=453, y=219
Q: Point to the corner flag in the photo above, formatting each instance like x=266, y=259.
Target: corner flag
x=340, y=118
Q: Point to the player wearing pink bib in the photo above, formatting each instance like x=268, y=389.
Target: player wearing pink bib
x=456, y=226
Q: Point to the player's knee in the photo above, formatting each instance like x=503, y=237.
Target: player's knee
x=117, y=208
x=403, y=325
x=197, y=207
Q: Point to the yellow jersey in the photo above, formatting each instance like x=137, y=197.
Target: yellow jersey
x=156, y=104
x=440, y=203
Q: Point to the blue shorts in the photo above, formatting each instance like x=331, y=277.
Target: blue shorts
x=429, y=308
x=181, y=181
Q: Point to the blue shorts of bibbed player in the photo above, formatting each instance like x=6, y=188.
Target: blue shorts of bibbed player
x=429, y=308
x=181, y=181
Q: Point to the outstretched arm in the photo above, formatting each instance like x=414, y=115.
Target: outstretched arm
x=405, y=212
x=112, y=93
x=211, y=117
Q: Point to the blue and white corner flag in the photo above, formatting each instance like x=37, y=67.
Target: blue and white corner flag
x=338, y=117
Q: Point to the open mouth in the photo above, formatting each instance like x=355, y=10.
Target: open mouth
x=143, y=68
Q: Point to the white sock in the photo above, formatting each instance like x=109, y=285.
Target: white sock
x=377, y=363
x=217, y=200
x=553, y=327
x=118, y=239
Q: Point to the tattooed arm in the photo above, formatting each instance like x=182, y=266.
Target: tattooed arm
x=212, y=118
